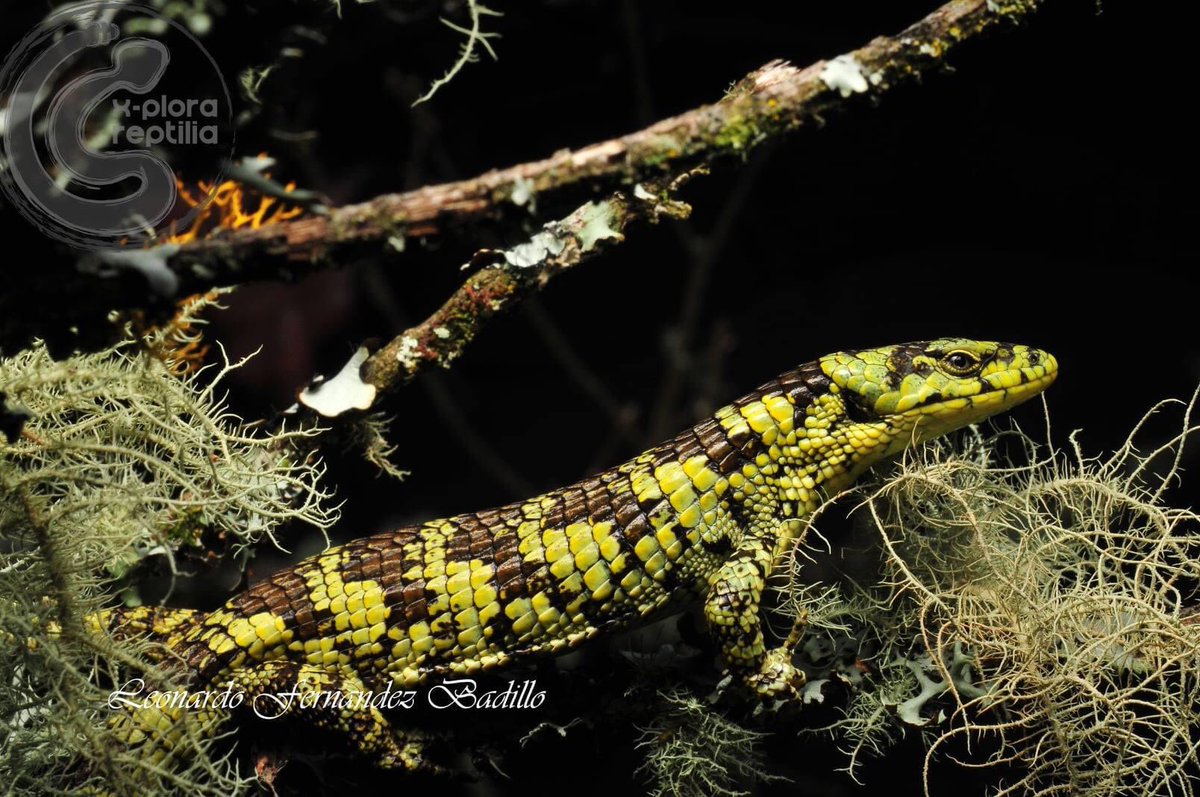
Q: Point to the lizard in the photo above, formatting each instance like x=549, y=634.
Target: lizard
x=706, y=517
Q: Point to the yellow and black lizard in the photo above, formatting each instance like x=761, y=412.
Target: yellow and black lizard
x=705, y=516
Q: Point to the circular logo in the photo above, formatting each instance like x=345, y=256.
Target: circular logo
x=111, y=110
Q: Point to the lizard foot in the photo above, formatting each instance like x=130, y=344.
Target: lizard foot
x=407, y=751
x=777, y=678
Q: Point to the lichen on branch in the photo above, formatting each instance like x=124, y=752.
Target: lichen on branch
x=504, y=277
x=775, y=100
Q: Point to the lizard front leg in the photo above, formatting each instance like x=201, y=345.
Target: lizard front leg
x=732, y=611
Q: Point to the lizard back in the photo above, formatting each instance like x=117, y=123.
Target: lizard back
x=471, y=592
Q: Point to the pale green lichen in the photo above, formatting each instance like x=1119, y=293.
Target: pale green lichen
x=476, y=39
x=844, y=75
x=409, y=354
x=251, y=81
x=140, y=461
x=534, y=252
x=1012, y=8
x=1047, y=605
x=195, y=14
x=596, y=225
x=693, y=751
x=657, y=151
x=739, y=134
x=523, y=193
x=368, y=435
x=119, y=461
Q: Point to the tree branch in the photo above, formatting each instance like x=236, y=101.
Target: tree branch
x=773, y=101
x=512, y=274
x=501, y=278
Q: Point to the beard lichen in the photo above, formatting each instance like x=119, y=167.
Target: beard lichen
x=1028, y=611
x=691, y=750
x=1039, y=618
x=117, y=460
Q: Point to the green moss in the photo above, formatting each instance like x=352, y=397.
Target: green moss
x=657, y=153
x=739, y=134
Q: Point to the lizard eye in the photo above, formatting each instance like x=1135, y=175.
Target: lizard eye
x=960, y=363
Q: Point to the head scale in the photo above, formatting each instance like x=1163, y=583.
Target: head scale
x=922, y=390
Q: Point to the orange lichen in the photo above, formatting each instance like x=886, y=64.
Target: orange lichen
x=230, y=206
x=178, y=342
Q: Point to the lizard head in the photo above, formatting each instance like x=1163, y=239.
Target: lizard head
x=917, y=391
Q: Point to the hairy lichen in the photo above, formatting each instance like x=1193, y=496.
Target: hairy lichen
x=119, y=459
x=1047, y=605
x=368, y=435
x=693, y=751
x=476, y=39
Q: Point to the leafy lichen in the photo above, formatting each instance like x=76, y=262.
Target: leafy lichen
x=596, y=225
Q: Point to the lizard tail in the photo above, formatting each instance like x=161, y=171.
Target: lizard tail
x=157, y=622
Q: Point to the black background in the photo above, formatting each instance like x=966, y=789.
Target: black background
x=1041, y=191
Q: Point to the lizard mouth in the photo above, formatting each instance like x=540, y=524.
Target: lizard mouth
x=1002, y=390
x=1008, y=389
x=1011, y=387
